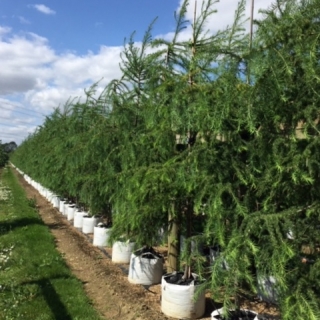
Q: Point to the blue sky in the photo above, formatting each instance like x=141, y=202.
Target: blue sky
x=51, y=50
x=86, y=25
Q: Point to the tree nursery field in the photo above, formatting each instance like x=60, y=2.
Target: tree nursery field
x=210, y=147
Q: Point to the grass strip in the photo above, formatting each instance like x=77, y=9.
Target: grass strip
x=35, y=282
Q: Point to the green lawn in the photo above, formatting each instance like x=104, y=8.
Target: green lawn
x=35, y=282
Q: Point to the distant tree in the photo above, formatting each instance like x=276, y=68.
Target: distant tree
x=3, y=156
x=9, y=147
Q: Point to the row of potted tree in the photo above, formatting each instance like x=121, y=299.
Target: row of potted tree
x=215, y=139
x=145, y=264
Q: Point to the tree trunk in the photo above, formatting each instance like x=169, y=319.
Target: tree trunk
x=173, y=242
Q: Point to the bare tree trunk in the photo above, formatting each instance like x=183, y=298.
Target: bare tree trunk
x=173, y=242
x=189, y=213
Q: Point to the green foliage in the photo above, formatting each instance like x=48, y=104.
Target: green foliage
x=222, y=134
x=4, y=157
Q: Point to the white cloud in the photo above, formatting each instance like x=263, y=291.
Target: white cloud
x=25, y=59
x=5, y=113
x=36, y=77
x=44, y=9
x=69, y=74
x=23, y=20
x=90, y=67
x=15, y=133
x=46, y=79
x=51, y=97
x=4, y=31
x=16, y=121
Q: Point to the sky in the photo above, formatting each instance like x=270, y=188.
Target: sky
x=52, y=50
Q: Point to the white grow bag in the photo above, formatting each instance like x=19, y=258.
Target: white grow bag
x=53, y=198
x=121, y=251
x=61, y=205
x=56, y=202
x=70, y=211
x=88, y=224
x=215, y=315
x=144, y=270
x=65, y=208
x=49, y=195
x=177, y=301
x=42, y=190
x=78, y=219
x=101, y=236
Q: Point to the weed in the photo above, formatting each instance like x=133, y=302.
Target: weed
x=32, y=203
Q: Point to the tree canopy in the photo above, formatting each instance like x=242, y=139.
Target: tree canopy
x=5, y=150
